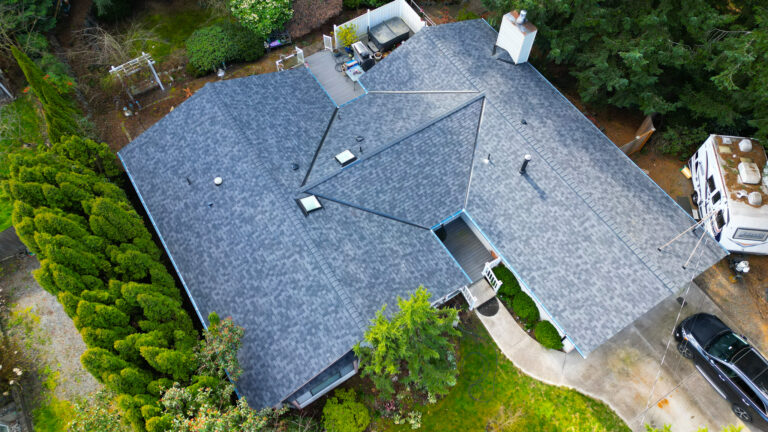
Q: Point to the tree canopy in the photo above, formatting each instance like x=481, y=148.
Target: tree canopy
x=703, y=64
x=262, y=17
x=97, y=256
x=414, y=345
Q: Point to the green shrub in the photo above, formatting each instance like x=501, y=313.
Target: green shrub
x=111, y=10
x=547, y=335
x=342, y=413
x=210, y=47
x=509, y=284
x=526, y=309
x=347, y=35
x=465, y=15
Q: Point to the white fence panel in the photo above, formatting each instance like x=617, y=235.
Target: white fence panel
x=411, y=17
x=381, y=14
x=372, y=18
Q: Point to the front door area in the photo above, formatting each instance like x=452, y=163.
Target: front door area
x=465, y=246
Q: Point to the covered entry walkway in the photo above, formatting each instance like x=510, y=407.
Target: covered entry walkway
x=466, y=248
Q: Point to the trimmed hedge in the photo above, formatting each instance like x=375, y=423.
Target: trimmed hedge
x=509, y=284
x=547, y=335
x=99, y=259
x=209, y=47
x=343, y=413
x=525, y=308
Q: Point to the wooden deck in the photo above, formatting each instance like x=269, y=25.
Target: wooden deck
x=466, y=248
x=337, y=84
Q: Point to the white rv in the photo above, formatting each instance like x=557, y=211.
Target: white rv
x=730, y=183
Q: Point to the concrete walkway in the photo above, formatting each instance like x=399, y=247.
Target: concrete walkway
x=622, y=371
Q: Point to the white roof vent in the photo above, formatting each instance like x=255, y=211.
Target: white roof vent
x=755, y=198
x=749, y=173
x=309, y=204
x=345, y=158
x=218, y=181
x=745, y=145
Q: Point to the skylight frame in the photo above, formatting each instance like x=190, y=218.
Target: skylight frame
x=345, y=158
x=309, y=204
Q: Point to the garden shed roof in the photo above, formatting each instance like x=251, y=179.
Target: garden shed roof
x=581, y=229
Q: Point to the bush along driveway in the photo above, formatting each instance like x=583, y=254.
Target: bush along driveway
x=626, y=372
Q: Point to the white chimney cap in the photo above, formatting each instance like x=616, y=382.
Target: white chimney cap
x=521, y=18
x=218, y=181
x=745, y=145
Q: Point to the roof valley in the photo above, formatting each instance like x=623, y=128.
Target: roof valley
x=544, y=154
x=307, y=237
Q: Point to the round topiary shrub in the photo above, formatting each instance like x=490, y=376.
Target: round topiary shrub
x=525, y=308
x=207, y=49
x=547, y=335
x=342, y=413
x=509, y=285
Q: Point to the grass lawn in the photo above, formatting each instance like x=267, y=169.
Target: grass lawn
x=173, y=27
x=492, y=394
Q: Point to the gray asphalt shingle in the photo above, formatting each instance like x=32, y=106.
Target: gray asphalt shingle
x=581, y=229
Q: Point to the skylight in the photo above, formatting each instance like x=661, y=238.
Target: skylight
x=309, y=204
x=345, y=158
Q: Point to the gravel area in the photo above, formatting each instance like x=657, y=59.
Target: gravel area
x=55, y=341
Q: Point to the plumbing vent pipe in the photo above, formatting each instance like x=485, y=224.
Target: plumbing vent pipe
x=525, y=163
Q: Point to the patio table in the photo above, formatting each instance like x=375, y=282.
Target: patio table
x=355, y=72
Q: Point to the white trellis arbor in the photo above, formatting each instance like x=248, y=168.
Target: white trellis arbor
x=132, y=66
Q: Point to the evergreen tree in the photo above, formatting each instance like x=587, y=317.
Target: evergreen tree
x=415, y=345
x=700, y=63
x=61, y=115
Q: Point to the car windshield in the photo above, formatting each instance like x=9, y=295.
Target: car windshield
x=726, y=346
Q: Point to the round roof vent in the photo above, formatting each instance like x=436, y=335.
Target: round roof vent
x=745, y=145
x=218, y=181
x=755, y=198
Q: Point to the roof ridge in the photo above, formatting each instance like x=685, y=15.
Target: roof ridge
x=398, y=140
x=529, y=139
x=292, y=217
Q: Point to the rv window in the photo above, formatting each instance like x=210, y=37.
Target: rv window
x=716, y=197
x=750, y=234
x=719, y=221
x=711, y=182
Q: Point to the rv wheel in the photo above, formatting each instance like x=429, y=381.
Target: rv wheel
x=695, y=198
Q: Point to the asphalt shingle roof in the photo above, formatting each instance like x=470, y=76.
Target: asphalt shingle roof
x=420, y=179
x=581, y=230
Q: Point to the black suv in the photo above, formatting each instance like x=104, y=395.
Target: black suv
x=735, y=369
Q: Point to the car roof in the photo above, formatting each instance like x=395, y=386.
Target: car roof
x=755, y=367
x=705, y=328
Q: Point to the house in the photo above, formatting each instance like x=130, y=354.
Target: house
x=300, y=219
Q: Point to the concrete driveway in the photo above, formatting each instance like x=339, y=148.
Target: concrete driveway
x=627, y=372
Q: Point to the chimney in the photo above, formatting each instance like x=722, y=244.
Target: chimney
x=516, y=36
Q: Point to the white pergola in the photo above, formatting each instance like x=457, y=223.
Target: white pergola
x=132, y=66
